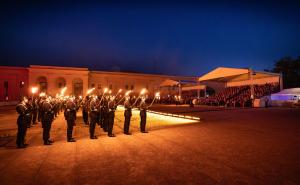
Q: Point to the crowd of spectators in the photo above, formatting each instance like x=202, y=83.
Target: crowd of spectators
x=239, y=96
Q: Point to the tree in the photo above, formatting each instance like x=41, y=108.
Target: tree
x=290, y=70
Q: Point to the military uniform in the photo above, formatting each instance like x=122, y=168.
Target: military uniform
x=105, y=114
x=34, y=110
x=111, y=117
x=93, y=117
x=47, y=118
x=23, y=118
x=40, y=111
x=127, y=115
x=143, y=114
x=85, y=111
x=29, y=117
x=70, y=116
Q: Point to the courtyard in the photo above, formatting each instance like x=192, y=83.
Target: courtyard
x=228, y=146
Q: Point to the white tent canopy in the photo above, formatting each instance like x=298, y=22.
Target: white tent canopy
x=222, y=72
x=169, y=82
x=194, y=87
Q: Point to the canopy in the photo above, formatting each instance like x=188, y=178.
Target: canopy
x=193, y=87
x=170, y=82
x=222, y=72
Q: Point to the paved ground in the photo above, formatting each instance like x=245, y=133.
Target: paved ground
x=240, y=146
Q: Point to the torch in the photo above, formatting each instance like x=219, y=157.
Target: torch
x=156, y=96
x=42, y=94
x=34, y=90
x=141, y=93
x=104, y=91
x=119, y=91
x=126, y=94
x=63, y=90
x=89, y=91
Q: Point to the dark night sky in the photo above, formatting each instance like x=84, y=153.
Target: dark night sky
x=178, y=38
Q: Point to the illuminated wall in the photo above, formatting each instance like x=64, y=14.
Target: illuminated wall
x=13, y=83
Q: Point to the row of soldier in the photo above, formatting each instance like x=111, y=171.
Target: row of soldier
x=95, y=110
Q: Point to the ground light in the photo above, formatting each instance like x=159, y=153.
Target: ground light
x=173, y=118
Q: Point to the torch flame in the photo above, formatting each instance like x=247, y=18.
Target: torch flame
x=42, y=94
x=90, y=90
x=143, y=91
x=127, y=93
x=105, y=90
x=34, y=90
x=63, y=90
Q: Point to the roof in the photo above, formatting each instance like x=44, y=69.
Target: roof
x=58, y=67
x=172, y=82
x=224, y=74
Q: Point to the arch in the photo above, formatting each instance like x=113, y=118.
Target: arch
x=77, y=86
x=42, y=82
x=60, y=82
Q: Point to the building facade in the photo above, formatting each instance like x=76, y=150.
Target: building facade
x=16, y=81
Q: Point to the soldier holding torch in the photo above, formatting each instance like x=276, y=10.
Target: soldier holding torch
x=127, y=113
x=70, y=116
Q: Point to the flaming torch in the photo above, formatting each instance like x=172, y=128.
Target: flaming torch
x=63, y=90
x=119, y=91
x=34, y=90
x=42, y=94
x=89, y=91
x=104, y=91
x=126, y=94
x=156, y=96
x=141, y=93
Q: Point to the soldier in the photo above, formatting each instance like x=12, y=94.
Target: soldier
x=47, y=118
x=111, y=115
x=70, y=116
x=127, y=115
x=93, y=117
x=105, y=112
x=85, y=110
x=34, y=110
x=143, y=114
x=40, y=111
x=29, y=107
x=23, y=117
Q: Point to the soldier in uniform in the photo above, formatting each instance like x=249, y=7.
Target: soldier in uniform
x=105, y=112
x=94, y=105
x=70, y=116
x=47, y=118
x=29, y=107
x=85, y=110
x=143, y=114
x=34, y=110
x=127, y=114
x=111, y=115
x=40, y=103
x=23, y=117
